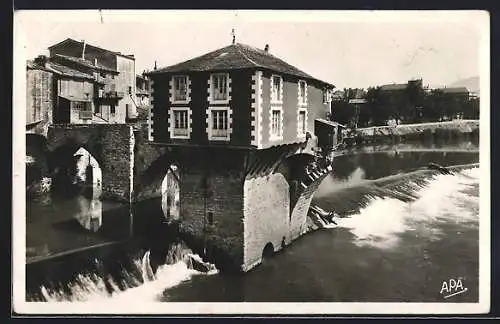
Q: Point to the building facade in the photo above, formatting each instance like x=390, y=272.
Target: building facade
x=231, y=119
x=223, y=98
x=114, y=89
x=39, y=94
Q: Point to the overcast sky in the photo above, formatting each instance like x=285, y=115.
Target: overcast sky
x=346, y=49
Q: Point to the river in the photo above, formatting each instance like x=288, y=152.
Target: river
x=385, y=248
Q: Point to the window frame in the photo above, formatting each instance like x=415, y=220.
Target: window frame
x=327, y=96
x=174, y=89
x=276, y=98
x=212, y=88
x=273, y=136
x=302, y=99
x=301, y=128
x=172, y=127
x=228, y=125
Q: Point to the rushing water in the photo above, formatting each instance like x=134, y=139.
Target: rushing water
x=398, y=239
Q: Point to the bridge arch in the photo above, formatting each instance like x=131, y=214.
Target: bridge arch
x=74, y=169
x=268, y=251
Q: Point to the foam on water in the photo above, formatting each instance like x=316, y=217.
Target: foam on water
x=441, y=198
x=92, y=287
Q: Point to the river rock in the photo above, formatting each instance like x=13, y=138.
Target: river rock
x=195, y=262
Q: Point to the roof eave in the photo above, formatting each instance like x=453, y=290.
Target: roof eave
x=310, y=78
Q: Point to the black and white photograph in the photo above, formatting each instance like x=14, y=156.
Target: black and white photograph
x=251, y=162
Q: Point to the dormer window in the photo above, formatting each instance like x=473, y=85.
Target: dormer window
x=302, y=92
x=180, y=83
x=276, y=89
x=219, y=87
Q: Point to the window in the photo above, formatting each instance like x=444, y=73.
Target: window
x=276, y=91
x=79, y=105
x=112, y=109
x=219, y=87
x=327, y=96
x=219, y=124
x=276, y=123
x=181, y=123
x=302, y=92
x=302, y=123
x=180, y=88
x=210, y=218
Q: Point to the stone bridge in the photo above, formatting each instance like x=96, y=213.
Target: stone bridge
x=232, y=205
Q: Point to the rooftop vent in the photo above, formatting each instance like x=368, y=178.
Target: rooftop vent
x=266, y=48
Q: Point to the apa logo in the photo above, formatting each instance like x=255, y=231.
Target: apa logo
x=452, y=287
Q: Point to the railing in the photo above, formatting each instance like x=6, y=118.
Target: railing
x=181, y=132
x=102, y=80
x=110, y=94
x=85, y=114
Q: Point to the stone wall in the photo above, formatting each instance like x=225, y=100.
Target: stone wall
x=111, y=145
x=266, y=210
x=462, y=126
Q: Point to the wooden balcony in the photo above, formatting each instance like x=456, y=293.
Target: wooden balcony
x=109, y=95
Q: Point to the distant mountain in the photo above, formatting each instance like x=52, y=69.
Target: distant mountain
x=471, y=83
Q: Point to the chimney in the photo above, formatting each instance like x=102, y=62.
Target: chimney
x=95, y=61
x=266, y=48
x=41, y=60
x=155, y=65
x=83, y=49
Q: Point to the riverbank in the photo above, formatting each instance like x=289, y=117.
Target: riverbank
x=424, y=132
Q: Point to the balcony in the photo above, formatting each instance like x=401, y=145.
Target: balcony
x=110, y=95
x=85, y=114
x=102, y=80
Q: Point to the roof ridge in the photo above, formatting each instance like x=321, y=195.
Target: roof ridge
x=246, y=57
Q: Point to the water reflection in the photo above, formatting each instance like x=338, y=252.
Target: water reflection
x=170, y=194
x=89, y=174
x=90, y=212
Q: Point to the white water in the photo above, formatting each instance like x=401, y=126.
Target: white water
x=443, y=199
x=91, y=287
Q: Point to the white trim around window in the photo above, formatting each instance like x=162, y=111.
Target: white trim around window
x=179, y=125
x=219, y=90
x=180, y=89
x=276, y=123
x=276, y=89
x=301, y=122
x=302, y=97
x=219, y=123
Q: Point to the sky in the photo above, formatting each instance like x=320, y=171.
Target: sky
x=347, y=49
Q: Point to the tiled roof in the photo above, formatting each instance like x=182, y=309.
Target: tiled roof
x=391, y=87
x=75, y=42
x=66, y=71
x=86, y=63
x=59, y=70
x=455, y=90
x=236, y=56
x=73, y=98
